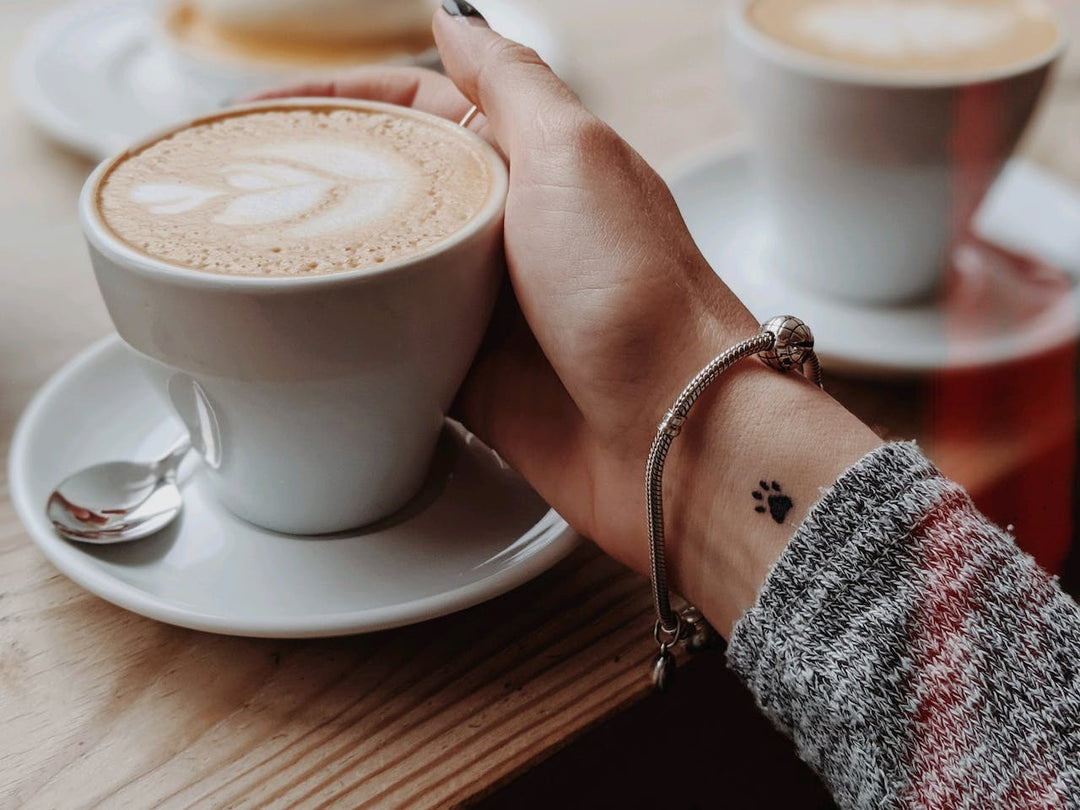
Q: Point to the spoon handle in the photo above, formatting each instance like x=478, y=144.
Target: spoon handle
x=170, y=463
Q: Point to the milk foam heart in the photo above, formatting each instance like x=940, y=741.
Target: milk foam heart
x=295, y=191
x=911, y=35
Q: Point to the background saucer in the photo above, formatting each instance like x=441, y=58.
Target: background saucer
x=475, y=531
x=1014, y=293
x=94, y=78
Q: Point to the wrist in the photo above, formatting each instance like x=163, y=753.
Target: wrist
x=752, y=459
x=754, y=425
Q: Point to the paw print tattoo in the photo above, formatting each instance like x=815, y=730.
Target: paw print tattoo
x=772, y=496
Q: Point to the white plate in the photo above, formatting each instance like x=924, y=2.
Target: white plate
x=1003, y=305
x=94, y=77
x=475, y=531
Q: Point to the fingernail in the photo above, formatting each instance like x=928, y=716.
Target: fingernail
x=463, y=11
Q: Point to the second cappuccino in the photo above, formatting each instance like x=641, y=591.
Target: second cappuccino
x=878, y=127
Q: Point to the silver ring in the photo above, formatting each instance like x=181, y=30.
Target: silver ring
x=468, y=117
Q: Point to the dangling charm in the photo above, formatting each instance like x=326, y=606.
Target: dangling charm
x=663, y=669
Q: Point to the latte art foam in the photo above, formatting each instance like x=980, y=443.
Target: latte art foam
x=287, y=192
x=910, y=35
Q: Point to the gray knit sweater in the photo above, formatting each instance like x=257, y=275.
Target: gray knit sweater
x=913, y=653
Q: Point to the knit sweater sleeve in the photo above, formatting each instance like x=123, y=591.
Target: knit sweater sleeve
x=916, y=657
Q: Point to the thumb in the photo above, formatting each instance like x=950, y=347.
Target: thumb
x=511, y=85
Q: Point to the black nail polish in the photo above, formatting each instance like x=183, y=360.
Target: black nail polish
x=459, y=8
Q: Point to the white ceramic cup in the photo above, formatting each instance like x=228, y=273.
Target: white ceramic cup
x=868, y=177
x=316, y=402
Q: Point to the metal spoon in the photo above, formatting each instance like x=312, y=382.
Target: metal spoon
x=119, y=500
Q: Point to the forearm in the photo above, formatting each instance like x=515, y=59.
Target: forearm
x=913, y=653
x=916, y=657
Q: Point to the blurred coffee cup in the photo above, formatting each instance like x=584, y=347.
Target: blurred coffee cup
x=878, y=128
x=232, y=48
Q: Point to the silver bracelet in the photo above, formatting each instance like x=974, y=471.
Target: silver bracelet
x=785, y=343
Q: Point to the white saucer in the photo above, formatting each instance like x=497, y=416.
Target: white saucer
x=1000, y=308
x=93, y=76
x=475, y=531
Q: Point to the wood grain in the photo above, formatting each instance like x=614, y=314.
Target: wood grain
x=103, y=708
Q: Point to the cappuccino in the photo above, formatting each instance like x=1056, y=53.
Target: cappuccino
x=296, y=191
x=316, y=397
x=910, y=36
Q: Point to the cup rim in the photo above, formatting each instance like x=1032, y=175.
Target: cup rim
x=834, y=70
x=110, y=245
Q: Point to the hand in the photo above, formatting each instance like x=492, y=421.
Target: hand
x=613, y=310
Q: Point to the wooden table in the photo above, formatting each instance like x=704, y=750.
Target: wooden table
x=101, y=707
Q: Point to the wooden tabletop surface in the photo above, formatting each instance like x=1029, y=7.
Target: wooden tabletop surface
x=104, y=708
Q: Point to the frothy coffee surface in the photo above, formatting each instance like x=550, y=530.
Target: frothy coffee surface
x=292, y=192
x=939, y=36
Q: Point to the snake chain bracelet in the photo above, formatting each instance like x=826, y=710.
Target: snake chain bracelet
x=784, y=343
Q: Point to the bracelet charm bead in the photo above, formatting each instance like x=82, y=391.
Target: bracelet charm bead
x=794, y=347
x=784, y=343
